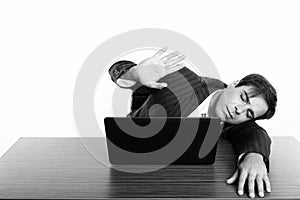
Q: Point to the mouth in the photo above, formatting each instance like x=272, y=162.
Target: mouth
x=229, y=113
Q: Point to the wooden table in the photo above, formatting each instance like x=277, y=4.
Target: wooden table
x=61, y=168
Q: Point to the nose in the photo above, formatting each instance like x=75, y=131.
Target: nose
x=241, y=108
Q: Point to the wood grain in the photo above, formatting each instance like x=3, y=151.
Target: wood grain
x=61, y=168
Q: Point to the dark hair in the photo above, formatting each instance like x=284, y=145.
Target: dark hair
x=261, y=87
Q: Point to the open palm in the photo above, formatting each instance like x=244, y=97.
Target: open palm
x=150, y=70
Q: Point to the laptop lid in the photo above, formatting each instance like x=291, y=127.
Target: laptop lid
x=162, y=141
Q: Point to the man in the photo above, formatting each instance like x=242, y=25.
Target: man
x=179, y=92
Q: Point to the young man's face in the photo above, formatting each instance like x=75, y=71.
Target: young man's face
x=235, y=105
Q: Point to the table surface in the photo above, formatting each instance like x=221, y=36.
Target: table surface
x=62, y=168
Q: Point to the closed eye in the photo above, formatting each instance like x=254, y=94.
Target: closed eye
x=245, y=98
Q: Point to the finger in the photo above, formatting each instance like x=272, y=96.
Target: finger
x=260, y=186
x=156, y=85
x=267, y=183
x=175, y=68
x=174, y=61
x=242, y=181
x=160, y=52
x=169, y=56
x=251, y=184
x=233, y=177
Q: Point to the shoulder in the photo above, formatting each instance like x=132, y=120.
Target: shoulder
x=213, y=84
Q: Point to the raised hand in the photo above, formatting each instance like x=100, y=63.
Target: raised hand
x=150, y=70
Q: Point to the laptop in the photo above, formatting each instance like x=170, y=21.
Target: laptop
x=162, y=141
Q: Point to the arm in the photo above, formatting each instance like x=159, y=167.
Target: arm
x=142, y=78
x=251, y=141
x=148, y=72
x=121, y=73
x=249, y=137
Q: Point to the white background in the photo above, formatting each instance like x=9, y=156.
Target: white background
x=44, y=43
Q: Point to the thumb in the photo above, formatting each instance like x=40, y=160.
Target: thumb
x=156, y=85
x=233, y=177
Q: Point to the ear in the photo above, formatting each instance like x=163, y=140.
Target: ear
x=234, y=83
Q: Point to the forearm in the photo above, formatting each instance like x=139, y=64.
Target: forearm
x=129, y=75
x=250, y=138
x=122, y=74
x=121, y=69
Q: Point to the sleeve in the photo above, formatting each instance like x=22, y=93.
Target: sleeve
x=118, y=69
x=249, y=137
x=140, y=92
